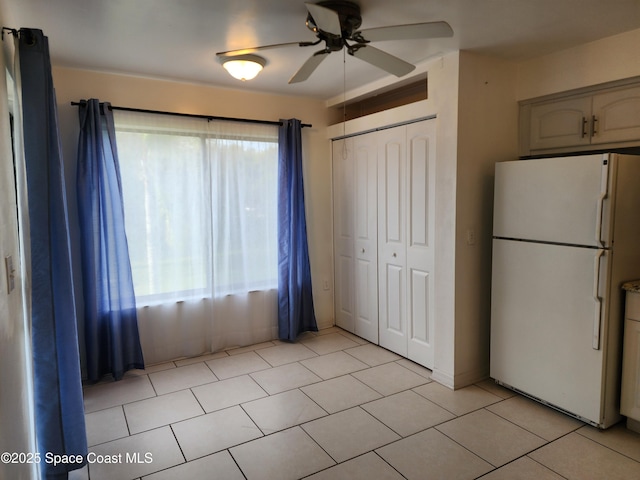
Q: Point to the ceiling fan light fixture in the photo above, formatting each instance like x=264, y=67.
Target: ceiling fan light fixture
x=243, y=67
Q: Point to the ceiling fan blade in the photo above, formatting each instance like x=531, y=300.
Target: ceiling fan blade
x=325, y=19
x=407, y=32
x=385, y=61
x=309, y=67
x=245, y=51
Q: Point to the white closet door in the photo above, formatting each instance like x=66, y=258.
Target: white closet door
x=392, y=275
x=366, y=237
x=384, y=237
x=421, y=156
x=343, y=228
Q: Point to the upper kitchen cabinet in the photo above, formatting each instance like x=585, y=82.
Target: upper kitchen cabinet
x=597, y=118
x=616, y=116
x=561, y=123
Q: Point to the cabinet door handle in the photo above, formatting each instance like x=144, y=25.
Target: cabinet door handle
x=584, y=127
x=594, y=120
x=394, y=254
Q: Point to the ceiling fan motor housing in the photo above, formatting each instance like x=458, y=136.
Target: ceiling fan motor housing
x=350, y=21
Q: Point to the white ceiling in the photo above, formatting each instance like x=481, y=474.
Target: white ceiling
x=178, y=39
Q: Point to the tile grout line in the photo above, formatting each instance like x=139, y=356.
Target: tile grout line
x=228, y=450
x=548, y=442
x=359, y=405
x=603, y=445
x=394, y=468
x=495, y=467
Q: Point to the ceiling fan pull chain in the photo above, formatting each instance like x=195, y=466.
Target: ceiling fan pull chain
x=345, y=153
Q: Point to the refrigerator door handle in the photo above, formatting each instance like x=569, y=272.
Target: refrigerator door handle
x=604, y=187
x=598, y=300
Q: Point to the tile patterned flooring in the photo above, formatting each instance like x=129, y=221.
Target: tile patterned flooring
x=333, y=406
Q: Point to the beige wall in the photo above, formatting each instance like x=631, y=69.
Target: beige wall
x=487, y=133
x=443, y=95
x=612, y=58
x=136, y=92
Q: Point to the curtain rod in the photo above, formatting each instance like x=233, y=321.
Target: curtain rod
x=13, y=32
x=192, y=115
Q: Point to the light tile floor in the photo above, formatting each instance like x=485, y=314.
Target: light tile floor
x=333, y=406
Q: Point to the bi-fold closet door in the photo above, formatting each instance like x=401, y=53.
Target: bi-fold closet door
x=356, y=235
x=384, y=229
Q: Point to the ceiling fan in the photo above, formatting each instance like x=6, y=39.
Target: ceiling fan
x=336, y=23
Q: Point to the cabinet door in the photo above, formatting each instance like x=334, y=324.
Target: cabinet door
x=421, y=156
x=617, y=116
x=392, y=275
x=343, y=228
x=366, y=237
x=630, y=400
x=564, y=123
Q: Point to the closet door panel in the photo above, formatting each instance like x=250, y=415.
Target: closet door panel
x=365, y=315
x=392, y=182
x=420, y=233
x=393, y=327
x=343, y=228
x=344, y=295
x=418, y=193
x=419, y=286
x=366, y=237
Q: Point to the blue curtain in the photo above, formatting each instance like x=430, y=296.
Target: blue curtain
x=59, y=410
x=110, y=319
x=295, y=299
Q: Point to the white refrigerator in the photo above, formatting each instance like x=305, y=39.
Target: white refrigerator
x=566, y=235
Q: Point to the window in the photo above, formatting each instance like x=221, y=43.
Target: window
x=200, y=205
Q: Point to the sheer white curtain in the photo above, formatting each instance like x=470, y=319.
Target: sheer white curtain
x=200, y=211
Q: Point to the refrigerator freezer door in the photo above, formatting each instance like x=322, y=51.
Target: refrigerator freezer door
x=559, y=200
x=545, y=301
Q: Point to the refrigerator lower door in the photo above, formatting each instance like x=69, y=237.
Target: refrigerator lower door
x=546, y=310
x=559, y=200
